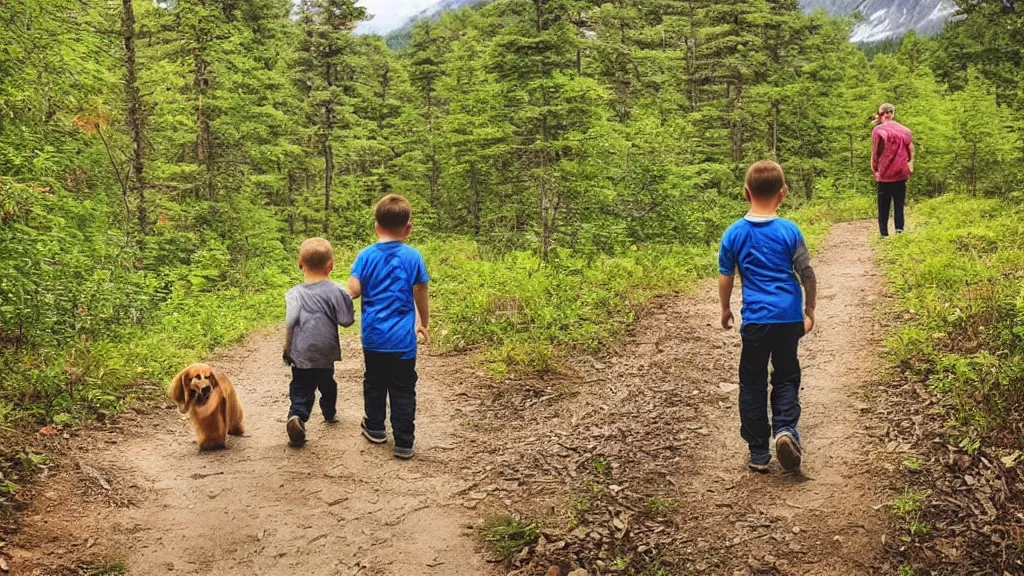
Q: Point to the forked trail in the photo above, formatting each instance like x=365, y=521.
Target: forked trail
x=637, y=455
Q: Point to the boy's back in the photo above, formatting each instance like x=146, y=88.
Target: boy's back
x=387, y=272
x=770, y=254
x=314, y=312
x=766, y=251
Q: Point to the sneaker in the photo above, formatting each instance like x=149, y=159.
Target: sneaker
x=759, y=467
x=404, y=453
x=331, y=420
x=787, y=449
x=296, y=431
x=373, y=436
x=899, y=231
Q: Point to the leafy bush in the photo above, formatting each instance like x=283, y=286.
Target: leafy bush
x=959, y=279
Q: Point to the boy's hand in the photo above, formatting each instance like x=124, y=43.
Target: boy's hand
x=727, y=319
x=287, y=357
x=911, y=166
x=422, y=330
x=808, y=321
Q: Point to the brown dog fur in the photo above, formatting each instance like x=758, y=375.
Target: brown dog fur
x=211, y=403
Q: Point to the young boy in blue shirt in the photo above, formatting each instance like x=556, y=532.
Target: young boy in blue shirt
x=773, y=263
x=314, y=310
x=391, y=278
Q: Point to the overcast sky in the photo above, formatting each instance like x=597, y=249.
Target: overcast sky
x=389, y=14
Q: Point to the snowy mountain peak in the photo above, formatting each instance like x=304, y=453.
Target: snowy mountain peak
x=884, y=19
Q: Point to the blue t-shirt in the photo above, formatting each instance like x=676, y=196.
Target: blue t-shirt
x=387, y=271
x=764, y=250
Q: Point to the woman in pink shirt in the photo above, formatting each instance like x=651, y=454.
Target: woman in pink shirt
x=892, y=161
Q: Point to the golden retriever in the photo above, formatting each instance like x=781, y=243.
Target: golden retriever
x=211, y=403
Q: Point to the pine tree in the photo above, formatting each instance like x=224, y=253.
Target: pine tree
x=327, y=60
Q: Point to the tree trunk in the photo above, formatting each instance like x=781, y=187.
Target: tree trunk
x=135, y=118
x=291, y=202
x=974, y=168
x=775, y=131
x=737, y=124
x=474, y=186
x=328, y=182
x=204, y=140
x=853, y=165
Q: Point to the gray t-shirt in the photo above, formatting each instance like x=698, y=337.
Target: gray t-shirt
x=313, y=314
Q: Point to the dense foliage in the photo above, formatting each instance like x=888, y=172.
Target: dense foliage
x=159, y=162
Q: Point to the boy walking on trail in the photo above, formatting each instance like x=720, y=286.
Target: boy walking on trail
x=391, y=278
x=771, y=256
x=314, y=310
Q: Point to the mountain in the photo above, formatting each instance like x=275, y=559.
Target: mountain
x=399, y=19
x=885, y=19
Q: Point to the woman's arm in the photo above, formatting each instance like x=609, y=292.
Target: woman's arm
x=877, y=147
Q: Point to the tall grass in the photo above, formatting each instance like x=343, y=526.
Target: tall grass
x=958, y=277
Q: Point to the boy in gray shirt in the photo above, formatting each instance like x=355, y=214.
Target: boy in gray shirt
x=314, y=310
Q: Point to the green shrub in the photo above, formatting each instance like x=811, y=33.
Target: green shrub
x=958, y=275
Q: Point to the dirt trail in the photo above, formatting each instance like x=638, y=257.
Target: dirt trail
x=642, y=458
x=631, y=459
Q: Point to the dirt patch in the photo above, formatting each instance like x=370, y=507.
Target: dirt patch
x=145, y=495
x=957, y=512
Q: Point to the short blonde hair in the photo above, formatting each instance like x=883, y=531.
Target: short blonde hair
x=315, y=254
x=886, y=109
x=765, y=179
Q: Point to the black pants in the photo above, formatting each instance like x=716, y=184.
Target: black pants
x=894, y=193
x=302, y=391
x=761, y=342
x=388, y=375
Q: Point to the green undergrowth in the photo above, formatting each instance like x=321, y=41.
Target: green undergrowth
x=526, y=316
x=958, y=278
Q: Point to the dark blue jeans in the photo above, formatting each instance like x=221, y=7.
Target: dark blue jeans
x=302, y=391
x=388, y=376
x=761, y=343
x=894, y=193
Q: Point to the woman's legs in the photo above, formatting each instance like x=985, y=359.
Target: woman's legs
x=884, y=200
x=899, y=198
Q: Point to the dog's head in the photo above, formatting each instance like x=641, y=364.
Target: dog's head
x=192, y=386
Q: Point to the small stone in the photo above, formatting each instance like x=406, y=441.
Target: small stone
x=4, y=565
x=554, y=571
x=595, y=536
x=600, y=564
x=796, y=529
x=578, y=572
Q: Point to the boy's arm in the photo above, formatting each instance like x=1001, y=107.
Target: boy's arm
x=354, y=287
x=291, y=319
x=421, y=295
x=726, y=278
x=725, y=285
x=802, y=265
x=911, y=162
x=346, y=312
